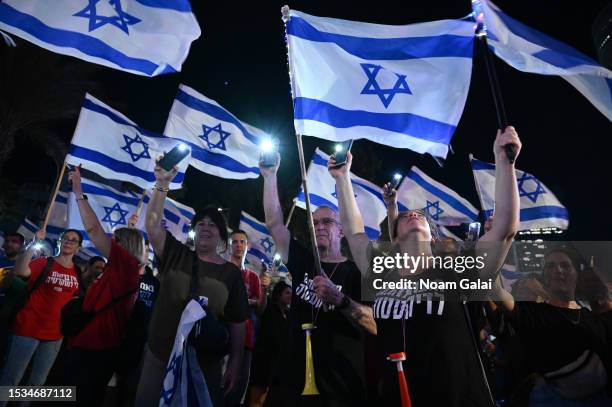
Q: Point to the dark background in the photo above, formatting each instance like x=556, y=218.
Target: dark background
x=240, y=61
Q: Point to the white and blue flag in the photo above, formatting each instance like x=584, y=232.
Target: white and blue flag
x=261, y=245
x=221, y=144
x=145, y=37
x=540, y=208
x=322, y=191
x=403, y=86
x=444, y=206
x=528, y=50
x=112, y=146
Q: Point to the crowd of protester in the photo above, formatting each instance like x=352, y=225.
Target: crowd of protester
x=109, y=325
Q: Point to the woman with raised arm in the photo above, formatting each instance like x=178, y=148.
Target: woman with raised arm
x=36, y=338
x=428, y=324
x=94, y=351
x=215, y=278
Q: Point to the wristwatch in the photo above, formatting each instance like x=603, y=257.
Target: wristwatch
x=344, y=303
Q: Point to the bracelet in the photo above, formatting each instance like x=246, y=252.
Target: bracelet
x=161, y=189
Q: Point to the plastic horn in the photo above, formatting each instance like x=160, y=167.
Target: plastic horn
x=310, y=386
x=398, y=358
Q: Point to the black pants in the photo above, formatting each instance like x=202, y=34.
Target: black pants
x=90, y=372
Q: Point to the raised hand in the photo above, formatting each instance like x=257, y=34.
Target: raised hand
x=509, y=137
x=342, y=171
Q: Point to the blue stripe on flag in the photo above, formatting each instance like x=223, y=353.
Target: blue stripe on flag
x=538, y=212
x=70, y=39
x=259, y=254
x=452, y=201
x=445, y=45
x=371, y=190
x=94, y=107
x=30, y=226
x=61, y=199
x=178, y=5
x=319, y=160
x=317, y=200
x=373, y=234
x=116, y=165
x=406, y=123
x=219, y=160
x=481, y=165
x=94, y=190
x=215, y=111
x=257, y=226
x=559, y=54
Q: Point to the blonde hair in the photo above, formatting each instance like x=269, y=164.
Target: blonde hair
x=132, y=241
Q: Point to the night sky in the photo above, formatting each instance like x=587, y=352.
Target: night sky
x=240, y=61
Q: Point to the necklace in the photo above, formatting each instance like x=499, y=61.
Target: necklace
x=567, y=315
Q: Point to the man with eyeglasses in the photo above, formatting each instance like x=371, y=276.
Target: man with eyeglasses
x=329, y=301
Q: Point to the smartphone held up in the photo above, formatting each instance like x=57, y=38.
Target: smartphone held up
x=174, y=156
x=268, y=149
x=340, y=153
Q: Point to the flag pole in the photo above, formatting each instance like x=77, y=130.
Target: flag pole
x=498, y=102
x=288, y=221
x=51, y=203
x=315, y=250
x=478, y=191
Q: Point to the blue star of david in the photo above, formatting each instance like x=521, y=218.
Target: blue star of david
x=266, y=244
x=128, y=147
x=436, y=209
x=122, y=20
x=109, y=215
x=223, y=135
x=531, y=195
x=373, y=88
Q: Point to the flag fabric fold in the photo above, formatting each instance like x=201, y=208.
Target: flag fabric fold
x=221, y=145
x=540, y=208
x=322, y=191
x=529, y=50
x=444, y=206
x=111, y=145
x=145, y=37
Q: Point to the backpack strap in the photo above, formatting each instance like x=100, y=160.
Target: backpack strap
x=42, y=276
x=116, y=300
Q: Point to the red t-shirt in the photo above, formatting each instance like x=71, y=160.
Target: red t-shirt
x=105, y=330
x=40, y=317
x=253, y=289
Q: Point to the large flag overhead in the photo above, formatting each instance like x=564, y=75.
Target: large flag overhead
x=403, y=86
x=445, y=206
x=114, y=147
x=529, y=50
x=322, y=191
x=145, y=37
x=261, y=245
x=540, y=208
x=221, y=144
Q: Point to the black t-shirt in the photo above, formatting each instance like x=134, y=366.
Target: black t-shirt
x=337, y=345
x=554, y=337
x=430, y=326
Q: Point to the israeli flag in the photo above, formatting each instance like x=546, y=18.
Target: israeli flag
x=221, y=144
x=113, y=208
x=261, y=245
x=540, y=208
x=176, y=217
x=145, y=37
x=444, y=206
x=528, y=50
x=111, y=145
x=322, y=191
x=403, y=86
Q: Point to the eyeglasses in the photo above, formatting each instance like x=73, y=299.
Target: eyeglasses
x=66, y=240
x=325, y=222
